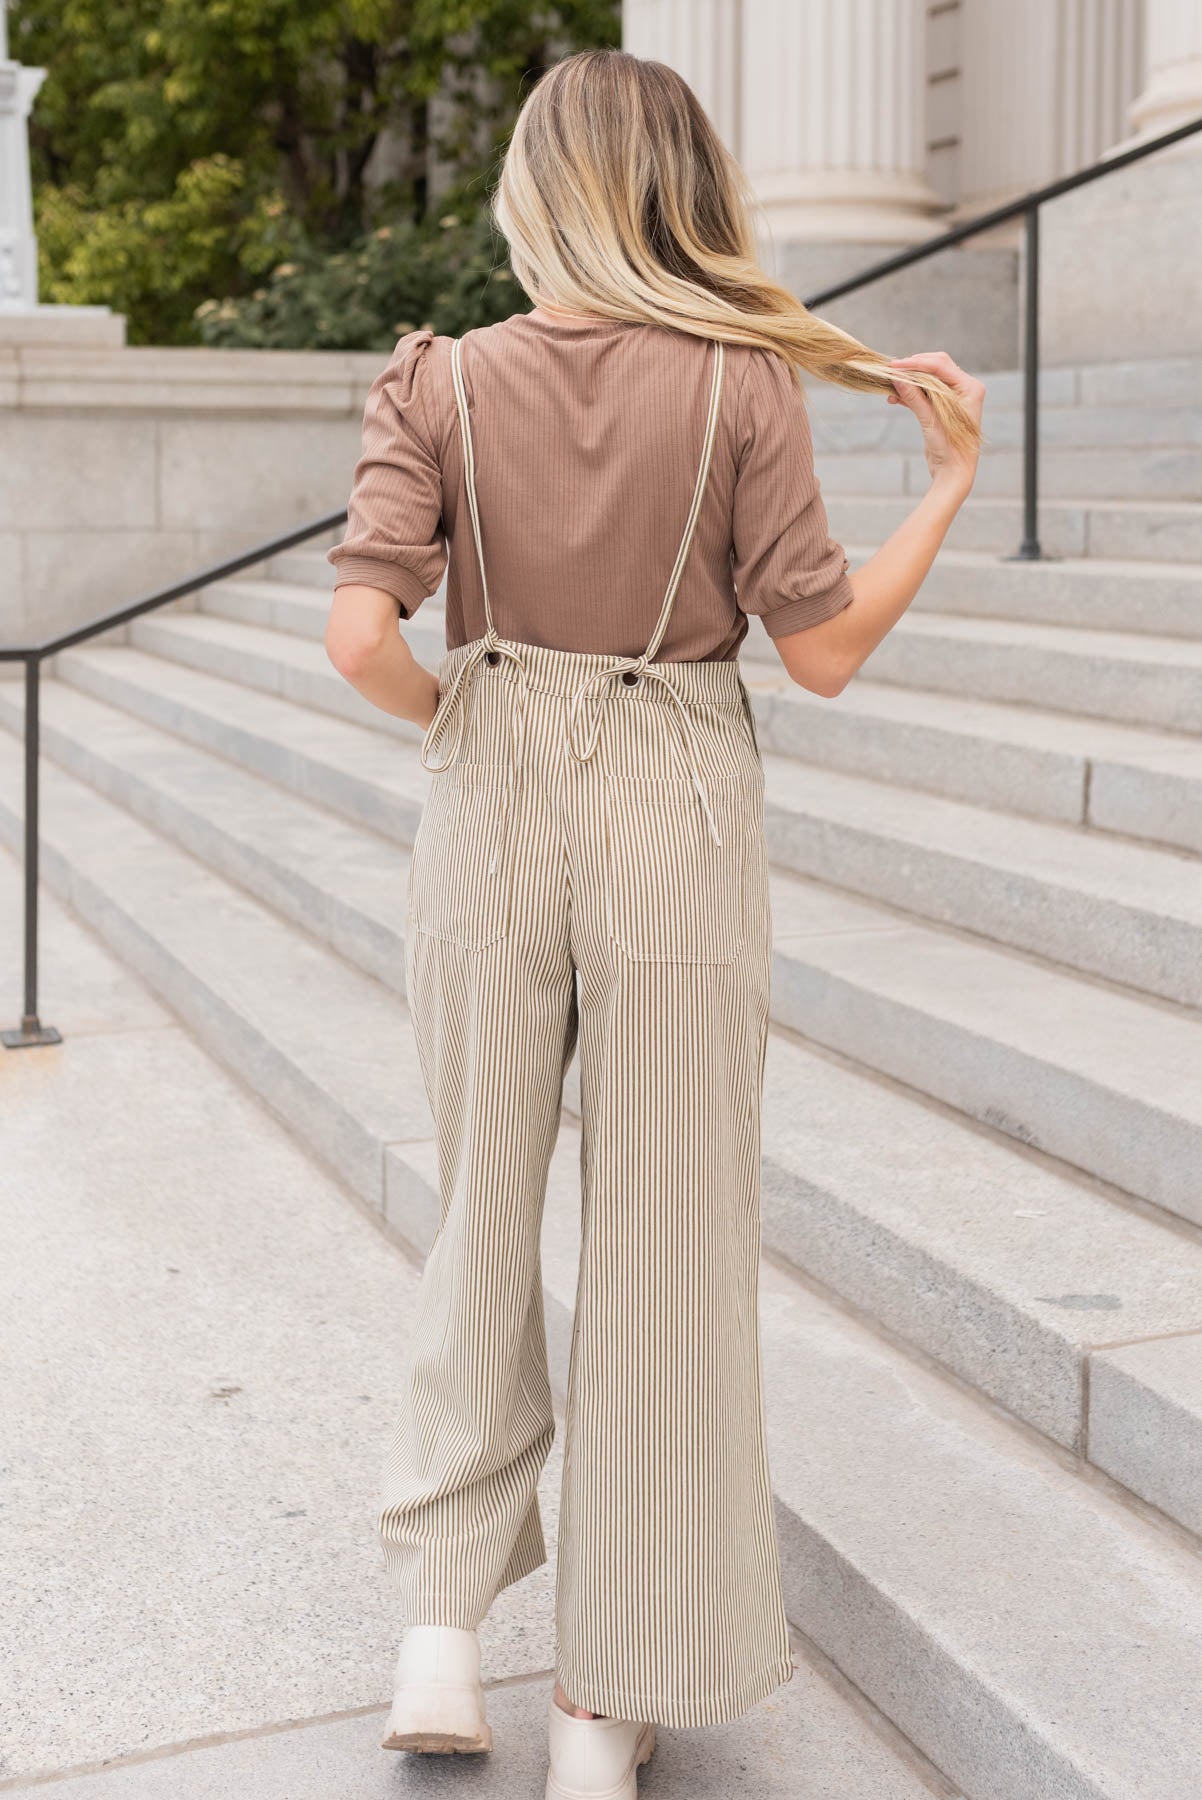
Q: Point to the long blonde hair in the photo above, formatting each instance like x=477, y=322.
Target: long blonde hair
x=618, y=199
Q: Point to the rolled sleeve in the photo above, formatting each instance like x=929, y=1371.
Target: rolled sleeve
x=788, y=569
x=395, y=538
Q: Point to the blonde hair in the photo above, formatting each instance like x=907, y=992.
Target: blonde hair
x=618, y=199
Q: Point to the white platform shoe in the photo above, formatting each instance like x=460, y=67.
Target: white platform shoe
x=595, y=1759
x=438, y=1704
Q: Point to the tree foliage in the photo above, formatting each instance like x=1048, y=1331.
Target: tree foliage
x=184, y=149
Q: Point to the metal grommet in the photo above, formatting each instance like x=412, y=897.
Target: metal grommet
x=492, y=656
x=630, y=677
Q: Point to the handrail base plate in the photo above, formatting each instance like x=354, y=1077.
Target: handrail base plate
x=29, y=1034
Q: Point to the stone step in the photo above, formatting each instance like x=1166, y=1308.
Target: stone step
x=1078, y=771
x=1091, y=592
x=347, y=766
x=1004, y=1267
x=989, y=1602
x=1087, y=901
x=1025, y=1632
x=1092, y=1074
x=1145, y=531
x=302, y=568
x=272, y=602
x=876, y=428
x=1146, y=1422
x=1165, y=380
x=276, y=604
x=1154, y=381
x=342, y=882
x=1122, y=676
x=924, y=1541
x=1093, y=474
x=269, y=661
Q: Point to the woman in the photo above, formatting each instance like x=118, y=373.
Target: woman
x=620, y=477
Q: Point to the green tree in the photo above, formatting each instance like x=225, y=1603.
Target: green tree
x=183, y=149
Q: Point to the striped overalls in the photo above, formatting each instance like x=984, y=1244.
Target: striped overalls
x=590, y=871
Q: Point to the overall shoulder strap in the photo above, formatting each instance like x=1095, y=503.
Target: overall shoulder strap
x=707, y=455
x=469, y=471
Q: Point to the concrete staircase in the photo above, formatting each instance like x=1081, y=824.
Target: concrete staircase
x=982, y=1304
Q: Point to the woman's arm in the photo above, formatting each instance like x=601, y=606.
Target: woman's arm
x=824, y=657
x=365, y=646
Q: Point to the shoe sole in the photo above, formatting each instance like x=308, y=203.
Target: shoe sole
x=439, y=1743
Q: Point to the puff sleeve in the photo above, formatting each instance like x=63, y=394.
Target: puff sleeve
x=394, y=537
x=787, y=568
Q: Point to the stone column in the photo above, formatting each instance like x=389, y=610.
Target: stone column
x=18, y=247
x=1044, y=90
x=832, y=107
x=1172, y=91
x=701, y=39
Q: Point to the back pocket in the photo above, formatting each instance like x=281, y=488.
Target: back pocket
x=672, y=894
x=450, y=892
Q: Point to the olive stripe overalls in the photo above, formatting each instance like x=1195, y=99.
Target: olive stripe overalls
x=590, y=872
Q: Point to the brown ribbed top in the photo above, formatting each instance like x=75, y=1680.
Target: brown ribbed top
x=587, y=438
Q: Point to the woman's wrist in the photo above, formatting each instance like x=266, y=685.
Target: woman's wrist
x=953, y=484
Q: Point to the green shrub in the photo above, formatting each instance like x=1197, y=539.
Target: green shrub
x=450, y=274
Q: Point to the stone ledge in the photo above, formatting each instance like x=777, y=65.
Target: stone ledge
x=37, y=376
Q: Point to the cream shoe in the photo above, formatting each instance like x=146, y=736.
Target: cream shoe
x=438, y=1704
x=595, y=1759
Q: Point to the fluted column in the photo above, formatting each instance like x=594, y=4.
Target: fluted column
x=701, y=40
x=1044, y=90
x=18, y=248
x=832, y=113
x=1172, y=90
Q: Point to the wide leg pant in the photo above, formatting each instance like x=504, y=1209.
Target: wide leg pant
x=596, y=909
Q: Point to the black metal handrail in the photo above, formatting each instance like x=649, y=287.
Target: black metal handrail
x=1025, y=207
x=32, y=1031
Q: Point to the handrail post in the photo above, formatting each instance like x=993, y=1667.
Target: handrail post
x=1029, y=549
x=31, y=1031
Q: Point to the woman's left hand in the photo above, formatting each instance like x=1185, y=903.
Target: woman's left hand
x=944, y=462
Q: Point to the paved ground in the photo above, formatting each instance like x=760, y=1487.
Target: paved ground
x=201, y=1336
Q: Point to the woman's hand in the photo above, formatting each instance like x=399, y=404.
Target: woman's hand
x=946, y=465
x=824, y=657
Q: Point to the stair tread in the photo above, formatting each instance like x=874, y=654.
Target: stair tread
x=274, y=587
x=1004, y=721
x=1165, y=882
x=242, y=950
x=1082, y=568
x=1073, y=640
x=262, y=640
x=359, y=749
x=1122, y=1040
x=1034, y=1593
